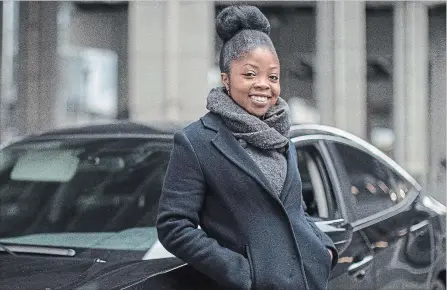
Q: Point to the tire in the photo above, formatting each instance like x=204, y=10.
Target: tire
x=438, y=285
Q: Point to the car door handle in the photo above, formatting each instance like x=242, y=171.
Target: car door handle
x=358, y=269
x=419, y=226
x=420, y=229
x=332, y=222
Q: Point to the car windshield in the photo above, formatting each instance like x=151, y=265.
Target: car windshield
x=99, y=193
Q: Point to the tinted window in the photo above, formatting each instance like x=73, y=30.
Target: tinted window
x=81, y=186
x=373, y=187
x=316, y=190
x=306, y=182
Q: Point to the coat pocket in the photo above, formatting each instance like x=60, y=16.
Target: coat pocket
x=250, y=263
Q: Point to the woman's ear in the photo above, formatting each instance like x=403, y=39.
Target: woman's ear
x=225, y=81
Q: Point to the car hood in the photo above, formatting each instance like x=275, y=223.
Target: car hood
x=79, y=272
x=20, y=272
x=136, y=239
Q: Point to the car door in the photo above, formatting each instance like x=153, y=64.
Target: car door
x=398, y=234
x=354, y=269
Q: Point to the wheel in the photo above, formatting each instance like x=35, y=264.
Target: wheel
x=438, y=285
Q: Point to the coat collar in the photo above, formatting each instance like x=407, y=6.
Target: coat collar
x=228, y=145
x=211, y=121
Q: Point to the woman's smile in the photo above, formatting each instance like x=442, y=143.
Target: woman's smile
x=260, y=100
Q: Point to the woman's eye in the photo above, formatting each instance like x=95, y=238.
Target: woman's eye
x=274, y=78
x=250, y=74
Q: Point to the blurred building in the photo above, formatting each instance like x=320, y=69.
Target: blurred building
x=376, y=69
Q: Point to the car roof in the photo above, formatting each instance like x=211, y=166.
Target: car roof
x=118, y=127
x=109, y=129
x=165, y=129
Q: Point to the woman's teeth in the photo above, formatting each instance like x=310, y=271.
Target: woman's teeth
x=259, y=99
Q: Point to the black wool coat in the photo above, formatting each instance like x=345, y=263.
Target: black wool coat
x=218, y=213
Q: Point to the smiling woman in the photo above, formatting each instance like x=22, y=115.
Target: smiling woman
x=248, y=61
x=234, y=174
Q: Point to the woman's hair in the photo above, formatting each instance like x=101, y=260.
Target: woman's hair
x=242, y=29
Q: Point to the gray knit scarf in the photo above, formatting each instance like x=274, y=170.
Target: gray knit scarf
x=269, y=133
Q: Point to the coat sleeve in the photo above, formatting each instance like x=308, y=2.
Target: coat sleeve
x=178, y=219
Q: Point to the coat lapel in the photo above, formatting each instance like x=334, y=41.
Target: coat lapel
x=292, y=172
x=227, y=144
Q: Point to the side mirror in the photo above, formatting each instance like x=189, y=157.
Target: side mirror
x=339, y=231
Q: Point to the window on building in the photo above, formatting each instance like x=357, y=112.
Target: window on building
x=379, y=76
x=91, y=93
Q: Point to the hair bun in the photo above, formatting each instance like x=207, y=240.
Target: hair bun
x=233, y=19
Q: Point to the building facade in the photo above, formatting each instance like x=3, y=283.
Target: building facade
x=375, y=69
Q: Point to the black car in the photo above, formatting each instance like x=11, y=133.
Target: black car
x=78, y=208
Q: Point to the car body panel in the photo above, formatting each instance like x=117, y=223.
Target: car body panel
x=25, y=272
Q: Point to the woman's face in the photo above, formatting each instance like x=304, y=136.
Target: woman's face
x=253, y=82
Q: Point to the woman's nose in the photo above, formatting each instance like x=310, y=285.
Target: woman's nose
x=262, y=84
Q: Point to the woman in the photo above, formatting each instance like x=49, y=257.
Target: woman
x=234, y=174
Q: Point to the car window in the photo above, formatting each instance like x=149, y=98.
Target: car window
x=111, y=185
x=373, y=186
x=316, y=190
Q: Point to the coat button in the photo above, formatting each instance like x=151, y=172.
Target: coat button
x=243, y=143
x=294, y=257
